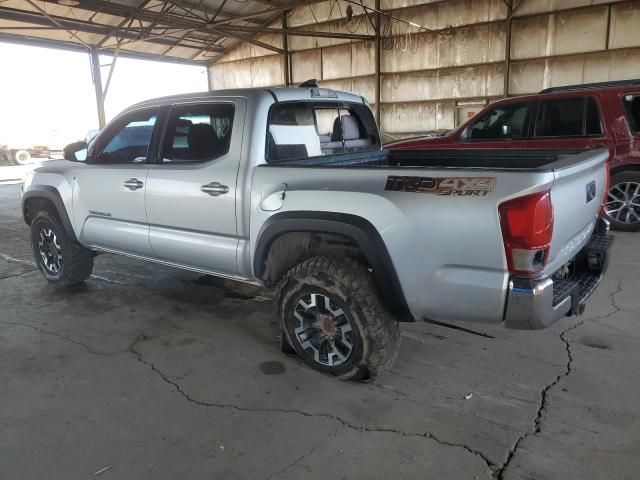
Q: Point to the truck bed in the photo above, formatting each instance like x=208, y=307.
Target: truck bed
x=446, y=243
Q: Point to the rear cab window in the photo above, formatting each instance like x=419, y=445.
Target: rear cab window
x=631, y=104
x=198, y=133
x=568, y=117
x=303, y=130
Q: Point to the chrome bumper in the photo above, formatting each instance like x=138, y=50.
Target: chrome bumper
x=534, y=304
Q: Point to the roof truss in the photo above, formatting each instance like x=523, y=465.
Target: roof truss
x=192, y=31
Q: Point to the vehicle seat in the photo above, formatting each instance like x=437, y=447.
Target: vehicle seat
x=203, y=141
x=347, y=128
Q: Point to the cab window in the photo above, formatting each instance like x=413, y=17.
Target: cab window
x=198, y=133
x=129, y=140
x=501, y=123
x=300, y=130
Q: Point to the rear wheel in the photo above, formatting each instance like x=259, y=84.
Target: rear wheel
x=332, y=317
x=20, y=157
x=623, y=201
x=60, y=259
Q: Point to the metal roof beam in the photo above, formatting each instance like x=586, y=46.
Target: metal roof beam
x=76, y=47
x=89, y=27
x=168, y=20
x=297, y=32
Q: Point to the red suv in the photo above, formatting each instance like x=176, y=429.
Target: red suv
x=575, y=117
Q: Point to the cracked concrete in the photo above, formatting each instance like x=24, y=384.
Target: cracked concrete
x=543, y=394
x=158, y=373
x=336, y=418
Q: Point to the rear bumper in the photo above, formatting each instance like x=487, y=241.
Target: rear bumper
x=534, y=304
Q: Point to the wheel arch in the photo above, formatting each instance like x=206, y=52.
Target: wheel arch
x=361, y=232
x=625, y=168
x=39, y=197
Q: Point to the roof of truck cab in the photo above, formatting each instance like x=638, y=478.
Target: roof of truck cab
x=280, y=94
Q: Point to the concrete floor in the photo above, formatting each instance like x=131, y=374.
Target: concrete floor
x=149, y=372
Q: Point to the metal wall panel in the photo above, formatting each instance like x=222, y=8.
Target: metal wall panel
x=428, y=78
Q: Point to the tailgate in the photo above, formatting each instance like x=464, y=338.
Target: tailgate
x=577, y=194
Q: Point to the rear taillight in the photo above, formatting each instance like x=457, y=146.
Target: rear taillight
x=527, y=228
x=605, y=195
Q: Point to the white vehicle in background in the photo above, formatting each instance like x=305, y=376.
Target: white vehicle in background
x=24, y=154
x=24, y=148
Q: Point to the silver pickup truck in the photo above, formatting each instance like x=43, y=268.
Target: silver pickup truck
x=290, y=188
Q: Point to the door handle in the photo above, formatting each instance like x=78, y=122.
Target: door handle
x=133, y=184
x=214, y=189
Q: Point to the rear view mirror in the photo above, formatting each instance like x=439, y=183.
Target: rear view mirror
x=75, y=152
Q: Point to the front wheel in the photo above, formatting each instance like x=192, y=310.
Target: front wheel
x=60, y=259
x=623, y=201
x=332, y=317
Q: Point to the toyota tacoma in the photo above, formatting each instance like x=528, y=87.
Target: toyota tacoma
x=290, y=188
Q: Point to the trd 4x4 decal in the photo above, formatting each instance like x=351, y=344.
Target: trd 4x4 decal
x=453, y=186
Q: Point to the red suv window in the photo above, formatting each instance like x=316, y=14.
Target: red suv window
x=503, y=122
x=568, y=117
x=632, y=110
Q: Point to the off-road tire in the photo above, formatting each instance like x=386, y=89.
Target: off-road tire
x=630, y=177
x=77, y=261
x=349, y=284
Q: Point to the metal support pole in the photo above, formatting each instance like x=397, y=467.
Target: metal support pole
x=112, y=67
x=286, y=61
x=507, y=48
x=377, y=63
x=608, y=34
x=97, y=84
x=210, y=77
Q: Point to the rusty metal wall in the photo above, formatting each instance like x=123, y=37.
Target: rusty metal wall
x=432, y=82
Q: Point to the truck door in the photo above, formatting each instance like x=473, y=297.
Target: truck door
x=191, y=193
x=109, y=190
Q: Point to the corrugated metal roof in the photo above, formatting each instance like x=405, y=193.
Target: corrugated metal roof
x=193, y=31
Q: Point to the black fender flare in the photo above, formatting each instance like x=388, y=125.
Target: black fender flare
x=352, y=226
x=51, y=194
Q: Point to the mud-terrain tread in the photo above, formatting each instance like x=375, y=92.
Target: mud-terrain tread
x=352, y=282
x=78, y=260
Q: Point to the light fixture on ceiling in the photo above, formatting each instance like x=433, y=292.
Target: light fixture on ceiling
x=69, y=3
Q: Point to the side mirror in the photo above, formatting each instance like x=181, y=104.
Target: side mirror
x=75, y=152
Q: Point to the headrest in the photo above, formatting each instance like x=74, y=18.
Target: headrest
x=345, y=127
x=350, y=128
x=202, y=138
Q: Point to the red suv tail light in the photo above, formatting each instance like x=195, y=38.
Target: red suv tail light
x=527, y=228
